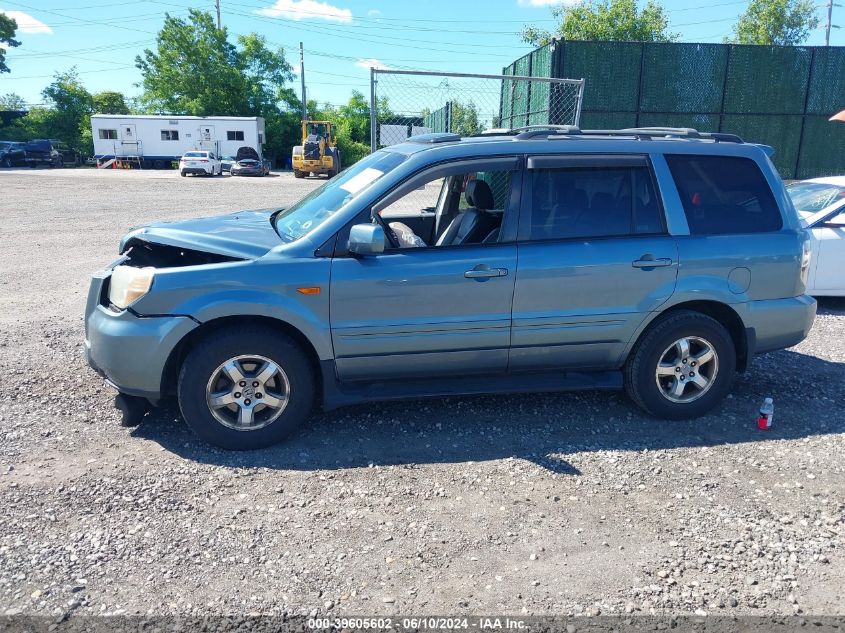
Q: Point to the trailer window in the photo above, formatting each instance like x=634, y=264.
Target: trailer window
x=234, y=135
x=170, y=135
x=108, y=134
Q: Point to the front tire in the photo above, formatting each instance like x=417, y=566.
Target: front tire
x=182, y=173
x=246, y=388
x=682, y=367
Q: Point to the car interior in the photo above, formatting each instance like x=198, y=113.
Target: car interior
x=469, y=209
x=570, y=203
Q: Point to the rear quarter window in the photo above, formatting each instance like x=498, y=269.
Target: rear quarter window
x=724, y=194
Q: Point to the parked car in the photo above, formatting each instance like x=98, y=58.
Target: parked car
x=12, y=154
x=200, y=163
x=249, y=163
x=226, y=162
x=539, y=260
x=49, y=152
x=821, y=204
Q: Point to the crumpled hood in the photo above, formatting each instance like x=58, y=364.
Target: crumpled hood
x=245, y=234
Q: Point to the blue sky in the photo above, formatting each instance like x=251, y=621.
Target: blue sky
x=342, y=38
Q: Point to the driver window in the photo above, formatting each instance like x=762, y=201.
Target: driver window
x=457, y=210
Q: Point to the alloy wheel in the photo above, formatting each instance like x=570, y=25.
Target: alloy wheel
x=247, y=392
x=687, y=369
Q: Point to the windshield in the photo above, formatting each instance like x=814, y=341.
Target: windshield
x=196, y=154
x=319, y=205
x=811, y=197
x=5, y=146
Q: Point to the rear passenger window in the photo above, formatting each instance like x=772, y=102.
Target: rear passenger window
x=724, y=194
x=594, y=202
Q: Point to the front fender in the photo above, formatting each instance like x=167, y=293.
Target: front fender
x=256, y=288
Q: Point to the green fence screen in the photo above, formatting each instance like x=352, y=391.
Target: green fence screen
x=778, y=95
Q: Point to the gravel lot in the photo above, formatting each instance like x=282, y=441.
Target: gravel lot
x=568, y=504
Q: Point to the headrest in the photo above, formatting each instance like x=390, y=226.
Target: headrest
x=479, y=195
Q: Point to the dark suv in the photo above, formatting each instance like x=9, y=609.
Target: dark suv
x=41, y=151
x=661, y=261
x=12, y=154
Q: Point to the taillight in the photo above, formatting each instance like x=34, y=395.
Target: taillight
x=806, y=257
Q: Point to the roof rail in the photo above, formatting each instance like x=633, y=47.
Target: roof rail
x=530, y=131
x=648, y=133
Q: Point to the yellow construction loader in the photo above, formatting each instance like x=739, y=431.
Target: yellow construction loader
x=318, y=153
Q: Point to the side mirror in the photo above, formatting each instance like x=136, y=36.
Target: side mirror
x=366, y=239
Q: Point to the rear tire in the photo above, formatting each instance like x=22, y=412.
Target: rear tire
x=182, y=173
x=674, y=380
x=298, y=174
x=255, y=349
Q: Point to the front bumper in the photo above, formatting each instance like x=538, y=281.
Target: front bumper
x=246, y=172
x=131, y=351
x=780, y=323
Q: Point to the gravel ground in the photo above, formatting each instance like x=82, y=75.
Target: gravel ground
x=567, y=503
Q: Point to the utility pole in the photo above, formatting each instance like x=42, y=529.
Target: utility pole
x=829, y=25
x=217, y=5
x=302, y=77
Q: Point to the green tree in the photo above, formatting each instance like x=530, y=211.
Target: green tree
x=465, y=119
x=194, y=69
x=612, y=20
x=781, y=22
x=109, y=102
x=12, y=101
x=71, y=105
x=8, y=26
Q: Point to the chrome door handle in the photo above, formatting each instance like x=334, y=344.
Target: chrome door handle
x=483, y=271
x=646, y=262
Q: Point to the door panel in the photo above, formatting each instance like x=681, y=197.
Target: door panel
x=577, y=303
x=830, y=243
x=413, y=312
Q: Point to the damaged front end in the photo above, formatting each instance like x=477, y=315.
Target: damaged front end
x=141, y=254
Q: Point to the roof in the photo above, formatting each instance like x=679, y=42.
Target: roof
x=170, y=117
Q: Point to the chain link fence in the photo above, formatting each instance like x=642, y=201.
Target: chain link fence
x=405, y=103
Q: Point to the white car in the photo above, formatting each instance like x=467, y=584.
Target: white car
x=821, y=205
x=200, y=162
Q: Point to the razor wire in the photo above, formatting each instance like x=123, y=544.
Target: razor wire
x=409, y=103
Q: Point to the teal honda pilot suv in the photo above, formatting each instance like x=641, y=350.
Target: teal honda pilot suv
x=660, y=261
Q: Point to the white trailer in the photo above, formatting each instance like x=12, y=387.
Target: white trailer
x=153, y=141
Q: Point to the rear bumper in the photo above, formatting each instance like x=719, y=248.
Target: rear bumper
x=131, y=352
x=779, y=323
x=202, y=171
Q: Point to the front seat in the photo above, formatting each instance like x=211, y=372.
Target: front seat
x=476, y=222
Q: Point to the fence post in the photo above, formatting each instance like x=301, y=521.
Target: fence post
x=580, y=102
x=804, y=112
x=725, y=88
x=373, y=111
x=640, y=87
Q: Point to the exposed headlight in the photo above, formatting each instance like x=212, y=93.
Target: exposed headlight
x=128, y=284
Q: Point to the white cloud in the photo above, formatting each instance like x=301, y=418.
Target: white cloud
x=545, y=3
x=371, y=62
x=27, y=23
x=306, y=10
